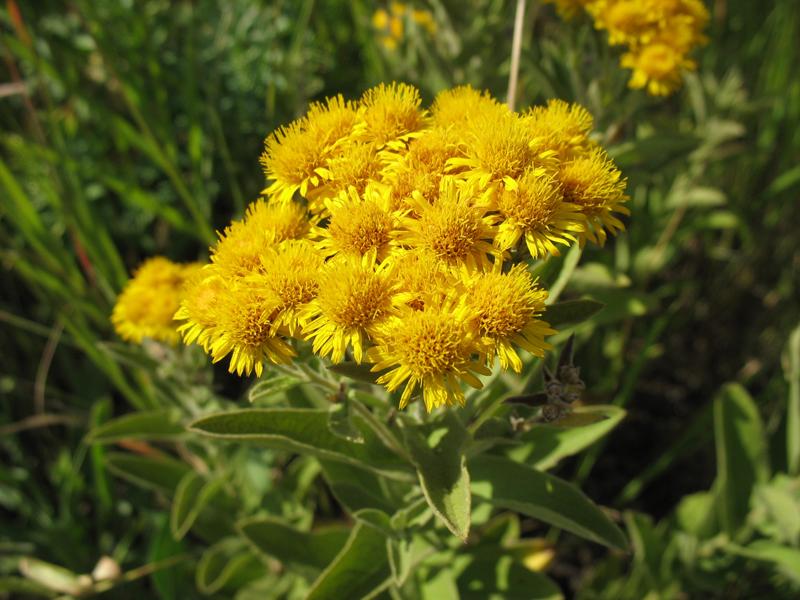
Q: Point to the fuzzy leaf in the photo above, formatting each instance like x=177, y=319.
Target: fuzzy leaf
x=506, y=484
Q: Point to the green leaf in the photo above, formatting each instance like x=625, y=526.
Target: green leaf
x=377, y=519
x=571, y=312
x=506, y=484
x=355, y=488
x=741, y=454
x=226, y=564
x=341, y=424
x=192, y=495
x=442, y=468
x=695, y=515
x=275, y=538
x=784, y=558
x=271, y=389
x=359, y=569
x=161, y=474
x=793, y=408
x=149, y=425
x=304, y=431
x=484, y=575
x=544, y=445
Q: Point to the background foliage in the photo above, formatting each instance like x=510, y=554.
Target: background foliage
x=133, y=128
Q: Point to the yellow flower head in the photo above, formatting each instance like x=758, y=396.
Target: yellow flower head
x=537, y=211
x=561, y=127
x=434, y=348
x=392, y=114
x=597, y=187
x=146, y=306
x=198, y=310
x=461, y=105
x=246, y=329
x=333, y=122
x=355, y=166
x=507, y=306
x=238, y=251
x=658, y=67
x=358, y=224
x=293, y=159
x=291, y=274
x=498, y=150
x=454, y=229
x=354, y=297
x=422, y=167
x=627, y=21
x=421, y=278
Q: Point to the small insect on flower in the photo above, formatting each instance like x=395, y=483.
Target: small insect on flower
x=597, y=187
x=507, y=307
x=433, y=348
x=355, y=296
x=146, y=306
x=358, y=223
x=246, y=329
x=537, y=211
x=392, y=114
x=455, y=228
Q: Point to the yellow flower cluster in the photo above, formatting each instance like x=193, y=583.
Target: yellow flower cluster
x=391, y=234
x=147, y=305
x=390, y=24
x=658, y=34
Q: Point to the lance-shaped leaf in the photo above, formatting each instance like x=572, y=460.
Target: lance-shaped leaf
x=158, y=473
x=275, y=538
x=192, y=495
x=304, y=431
x=545, y=444
x=227, y=564
x=271, y=388
x=442, y=468
x=360, y=569
x=741, y=454
x=161, y=424
x=506, y=484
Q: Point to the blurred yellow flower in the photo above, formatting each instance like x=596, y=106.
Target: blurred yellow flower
x=658, y=34
x=147, y=304
x=391, y=25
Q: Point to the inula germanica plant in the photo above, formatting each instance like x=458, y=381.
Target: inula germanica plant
x=658, y=36
x=397, y=236
x=401, y=248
